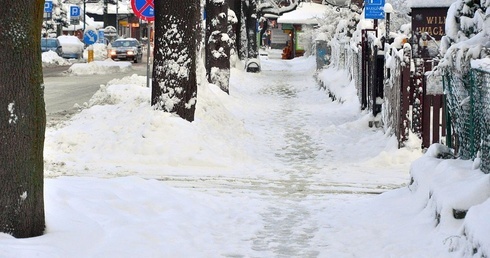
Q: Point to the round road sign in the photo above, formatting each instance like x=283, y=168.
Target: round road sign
x=143, y=9
x=90, y=36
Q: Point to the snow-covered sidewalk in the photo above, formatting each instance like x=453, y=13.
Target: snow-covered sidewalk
x=275, y=169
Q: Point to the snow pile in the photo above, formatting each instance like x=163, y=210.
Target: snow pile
x=100, y=51
x=135, y=141
x=50, y=58
x=455, y=194
x=99, y=67
x=338, y=85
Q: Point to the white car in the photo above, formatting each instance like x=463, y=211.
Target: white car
x=72, y=47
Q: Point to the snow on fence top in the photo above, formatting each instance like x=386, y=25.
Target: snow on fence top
x=428, y=4
x=306, y=13
x=482, y=64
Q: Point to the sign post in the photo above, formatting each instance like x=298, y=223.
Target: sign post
x=90, y=36
x=374, y=9
x=48, y=9
x=144, y=9
x=74, y=16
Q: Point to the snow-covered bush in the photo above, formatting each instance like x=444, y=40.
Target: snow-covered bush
x=467, y=34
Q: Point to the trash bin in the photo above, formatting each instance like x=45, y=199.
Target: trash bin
x=252, y=66
x=323, y=53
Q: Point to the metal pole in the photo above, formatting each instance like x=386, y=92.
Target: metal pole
x=117, y=18
x=84, y=15
x=148, y=55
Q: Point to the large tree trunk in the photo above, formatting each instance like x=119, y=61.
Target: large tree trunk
x=22, y=119
x=218, y=44
x=177, y=31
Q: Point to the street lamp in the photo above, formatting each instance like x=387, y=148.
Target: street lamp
x=388, y=8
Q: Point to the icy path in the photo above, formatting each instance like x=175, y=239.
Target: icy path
x=315, y=154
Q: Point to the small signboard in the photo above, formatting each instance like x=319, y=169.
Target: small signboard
x=374, y=9
x=101, y=36
x=74, y=21
x=434, y=84
x=144, y=9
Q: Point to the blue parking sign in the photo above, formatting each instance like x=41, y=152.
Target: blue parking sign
x=48, y=6
x=74, y=11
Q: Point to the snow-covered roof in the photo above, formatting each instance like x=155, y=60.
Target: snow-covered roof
x=89, y=22
x=427, y=4
x=97, y=8
x=306, y=13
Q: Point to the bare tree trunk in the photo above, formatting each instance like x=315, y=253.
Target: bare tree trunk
x=177, y=32
x=218, y=44
x=241, y=42
x=232, y=28
x=22, y=119
x=250, y=11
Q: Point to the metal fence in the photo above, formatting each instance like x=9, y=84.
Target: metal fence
x=408, y=104
x=468, y=96
x=396, y=106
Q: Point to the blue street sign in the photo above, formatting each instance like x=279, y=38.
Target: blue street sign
x=90, y=36
x=374, y=9
x=74, y=11
x=48, y=6
x=101, y=36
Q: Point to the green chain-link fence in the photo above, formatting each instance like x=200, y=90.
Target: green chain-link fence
x=468, y=96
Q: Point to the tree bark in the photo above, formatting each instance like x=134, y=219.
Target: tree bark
x=250, y=11
x=174, y=80
x=236, y=7
x=218, y=44
x=22, y=119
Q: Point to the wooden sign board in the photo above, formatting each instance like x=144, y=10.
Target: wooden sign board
x=430, y=20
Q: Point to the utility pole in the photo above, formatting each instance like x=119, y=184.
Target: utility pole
x=117, y=18
x=84, y=23
x=106, y=21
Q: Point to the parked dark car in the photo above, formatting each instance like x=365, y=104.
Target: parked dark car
x=126, y=49
x=52, y=44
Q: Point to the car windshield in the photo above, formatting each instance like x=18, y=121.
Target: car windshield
x=124, y=43
x=48, y=43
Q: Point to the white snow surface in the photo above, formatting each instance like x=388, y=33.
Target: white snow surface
x=429, y=4
x=275, y=169
x=305, y=13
